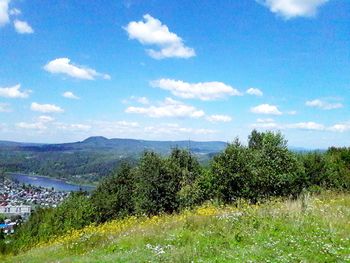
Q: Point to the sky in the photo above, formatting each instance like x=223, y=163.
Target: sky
x=175, y=70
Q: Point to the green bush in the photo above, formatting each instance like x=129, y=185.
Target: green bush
x=74, y=213
x=155, y=186
x=112, y=198
x=265, y=168
x=258, y=171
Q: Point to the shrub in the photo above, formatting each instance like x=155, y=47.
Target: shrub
x=112, y=198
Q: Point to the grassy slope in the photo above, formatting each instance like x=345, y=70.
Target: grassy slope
x=314, y=229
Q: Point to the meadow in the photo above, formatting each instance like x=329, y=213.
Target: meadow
x=312, y=228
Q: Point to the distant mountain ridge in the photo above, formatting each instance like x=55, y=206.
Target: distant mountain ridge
x=89, y=160
x=103, y=143
x=99, y=143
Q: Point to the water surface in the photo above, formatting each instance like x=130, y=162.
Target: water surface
x=57, y=184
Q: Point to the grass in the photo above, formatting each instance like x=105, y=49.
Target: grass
x=311, y=229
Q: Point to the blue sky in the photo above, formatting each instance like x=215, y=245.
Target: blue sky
x=170, y=70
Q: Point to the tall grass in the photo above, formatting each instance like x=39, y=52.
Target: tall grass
x=313, y=228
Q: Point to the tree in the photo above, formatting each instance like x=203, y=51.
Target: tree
x=155, y=186
x=265, y=168
x=255, y=140
x=231, y=173
x=279, y=172
x=185, y=172
x=112, y=198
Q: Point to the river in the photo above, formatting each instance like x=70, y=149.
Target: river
x=57, y=184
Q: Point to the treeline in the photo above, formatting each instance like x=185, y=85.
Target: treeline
x=263, y=169
x=80, y=167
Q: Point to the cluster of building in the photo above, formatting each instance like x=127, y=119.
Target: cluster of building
x=19, y=199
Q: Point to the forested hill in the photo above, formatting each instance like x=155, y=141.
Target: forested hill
x=89, y=160
x=123, y=146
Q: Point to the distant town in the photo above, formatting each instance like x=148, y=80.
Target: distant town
x=18, y=200
x=13, y=193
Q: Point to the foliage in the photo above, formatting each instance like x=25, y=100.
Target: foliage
x=239, y=233
x=74, y=213
x=112, y=198
x=232, y=174
x=91, y=160
x=186, y=173
x=264, y=169
x=155, y=186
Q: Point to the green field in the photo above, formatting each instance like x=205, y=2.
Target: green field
x=310, y=229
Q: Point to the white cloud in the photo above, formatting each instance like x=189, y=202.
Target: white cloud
x=310, y=126
x=39, y=124
x=14, y=92
x=175, y=129
x=292, y=112
x=45, y=119
x=142, y=100
x=127, y=124
x=4, y=12
x=72, y=127
x=70, y=95
x=340, y=127
x=5, y=107
x=266, y=109
x=64, y=66
x=267, y=120
x=324, y=105
x=115, y=128
x=128, y=129
x=219, y=118
x=254, y=91
x=31, y=126
x=44, y=122
x=46, y=108
x=202, y=90
x=271, y=124
x=151, y=31
x=15, y=12
x=306, y=126
x=293, y=8
x=266, y=123
x=168, y=108
x=23, y=27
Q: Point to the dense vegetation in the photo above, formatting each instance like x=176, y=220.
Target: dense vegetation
x=313, y=228
x=80, y=167
x=258, y=172
x=91, y=160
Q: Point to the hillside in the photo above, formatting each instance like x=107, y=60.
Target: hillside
x=311, y=229
x=89, y=160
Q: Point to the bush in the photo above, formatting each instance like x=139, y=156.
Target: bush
x=232, y=173
x=45, y=223
x=155, y=186
x=265, y=168
x=112, y=198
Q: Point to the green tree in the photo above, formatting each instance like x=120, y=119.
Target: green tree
x=279, y=172
x=232, y=173
x=155, y=186
x=185, y=171
x=112, y=198
x=255, y=139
